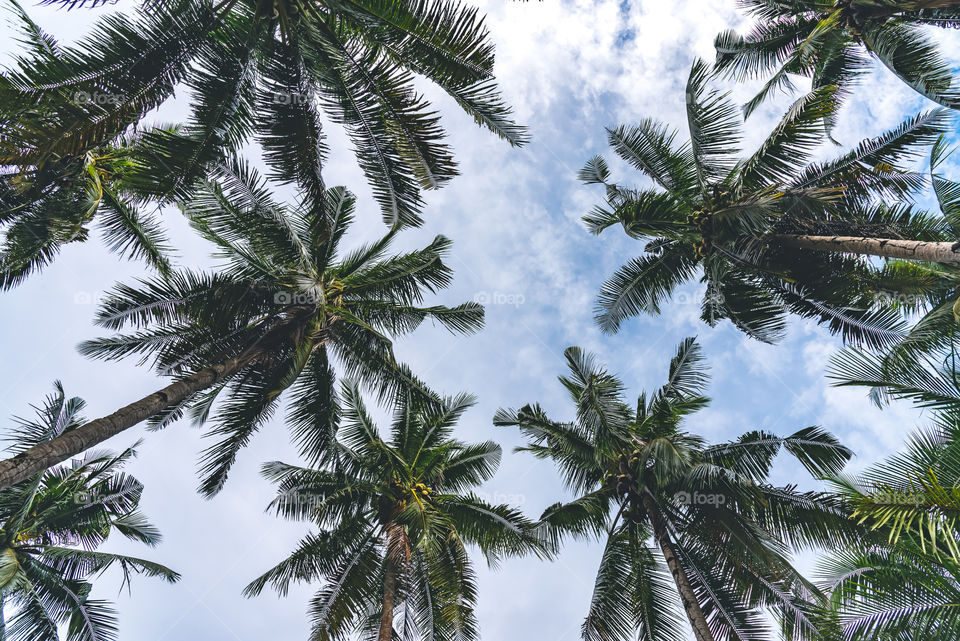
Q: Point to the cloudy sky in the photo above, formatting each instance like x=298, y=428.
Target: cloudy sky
x=570, y=68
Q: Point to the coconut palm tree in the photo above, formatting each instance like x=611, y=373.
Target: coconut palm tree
x=51, y=526
x=901, y=582
x=915, y=494
x=262, y=71
x=773, y=233
x=832, y=41
x=894, y=592
x=925, y=380
x=60, y=203
x=932, y=342
x=935, y=331
x=395, y=516
x=690, y=528
x=288, y=302
x=922, y=366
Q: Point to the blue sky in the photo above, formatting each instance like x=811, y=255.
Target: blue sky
x=571, y=68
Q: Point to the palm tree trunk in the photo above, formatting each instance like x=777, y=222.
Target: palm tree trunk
x=389, y=596
x=687, y=596
x=947, y=253
x=40, y=457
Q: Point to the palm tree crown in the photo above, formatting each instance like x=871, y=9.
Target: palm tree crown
x=257, y=70
x=395, y=517
x=40, y=215
x=900, y=591
x=760, y=228
x=902, y=581
x=827, y=40
x=672, y=507
x=50, y=528
x=288, y=304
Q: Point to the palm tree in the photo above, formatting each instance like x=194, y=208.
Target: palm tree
x=831, y=42
x=674, y=509
x=257, y=70
x=773, y=233
x=52, y=525
x=922, y=365
x=934, y=333
x=915, y=494
x=58, y=205
x=395, y=518
x=902, y=581
x=286, y=304
x=894, y=592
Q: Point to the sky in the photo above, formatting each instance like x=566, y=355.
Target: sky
x=569, y=68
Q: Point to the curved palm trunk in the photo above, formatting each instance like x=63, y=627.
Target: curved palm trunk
x=691, y=606
x=947, y=253
x=40, y=457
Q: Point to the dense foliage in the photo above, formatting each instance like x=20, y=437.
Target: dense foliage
x=731, y=221
x=831, y=41
x=396, y=515
x=51, y=527
x=675, y=509
x=288, y=300
x=76, y=145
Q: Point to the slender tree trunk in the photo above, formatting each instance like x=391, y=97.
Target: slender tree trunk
x=40, y=457
x=687, y=596
x=389, y=594
x=948, y=253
